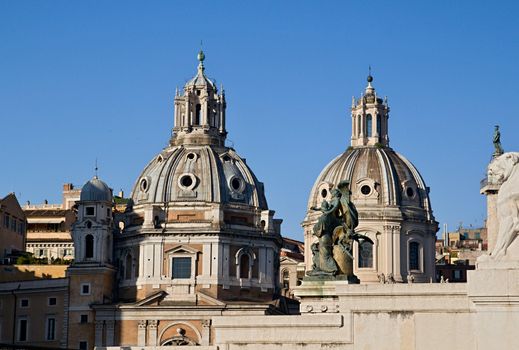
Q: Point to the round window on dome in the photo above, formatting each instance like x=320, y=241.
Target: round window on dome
x=191, y=156
x=186, y=181
x=324, y=193
x=235, y=183
x=410, y=192
x=144, y=185
x=365, y=190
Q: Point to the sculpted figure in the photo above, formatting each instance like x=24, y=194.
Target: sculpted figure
x=505, y=169
x=335, y=228
x=498, y=149
x=323, y=229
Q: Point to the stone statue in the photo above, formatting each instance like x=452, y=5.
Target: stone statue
x=498, y=150
x=505, y=169
x=335, y=228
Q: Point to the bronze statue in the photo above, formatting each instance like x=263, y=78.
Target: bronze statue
x=332, y=254
x=498, y=149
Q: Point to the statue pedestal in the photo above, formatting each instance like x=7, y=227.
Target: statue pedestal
x=318, y=294
x=493, y=288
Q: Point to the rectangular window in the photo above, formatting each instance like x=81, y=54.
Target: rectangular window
x=13, y=224
x=365, y=255
x=85, y=289
x=414, y=256
x=181, y=268
x=7, y=220
x=52, y=301
x=22, y=329
x=83, y=345
x=90, y=211
x=51, y=329
x=21, y=227
x=457, y=274
x=83, y=318
x=24, y=302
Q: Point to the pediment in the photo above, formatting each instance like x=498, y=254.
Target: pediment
x=152, y=299
x=182, y=249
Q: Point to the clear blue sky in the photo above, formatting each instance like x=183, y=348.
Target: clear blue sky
x=87, y=79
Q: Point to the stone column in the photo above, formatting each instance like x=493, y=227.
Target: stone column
x=206, y=332
x=141, y=333
x=375, y=124
x=98, y=340
x=152, y=332
x=110, y=333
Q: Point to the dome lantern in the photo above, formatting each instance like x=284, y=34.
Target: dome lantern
x=369, y=119
x=199, y=111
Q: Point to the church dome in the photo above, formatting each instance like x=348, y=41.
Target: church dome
x=96, y=190
x=189, y=173
x=390, y=195
x=379, y=177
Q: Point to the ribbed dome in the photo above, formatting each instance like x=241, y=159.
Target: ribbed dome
x=96, y=190
x=379, y=177
x=198, y=173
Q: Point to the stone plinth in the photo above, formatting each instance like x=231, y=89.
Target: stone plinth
x=494, y=291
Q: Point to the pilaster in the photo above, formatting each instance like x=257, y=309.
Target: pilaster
x=98, y=338
x=152, y=332
x=141, y=333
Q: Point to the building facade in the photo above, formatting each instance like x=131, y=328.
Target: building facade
x=48, y=227
x=390, y=195
x=12, y=229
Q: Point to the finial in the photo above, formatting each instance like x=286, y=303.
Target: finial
x=96, y=168
x=370, y=78
x=201, y=55
x=176, y=91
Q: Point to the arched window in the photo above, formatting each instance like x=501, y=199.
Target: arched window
x=198, y=112
x=244, y=265
x=379, y=124
x=369, y=122
x=128, y=267
x=414, y=256
x=365, y=255
x=359, y=124
x=89, y=246
x=286, y=279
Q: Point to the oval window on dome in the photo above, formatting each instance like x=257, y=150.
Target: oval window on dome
x=144, y=185
x=236, y=184
x=191, y=156
x=365, y=190
x=324, y=193
x=187, y=181
x=410, y=192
